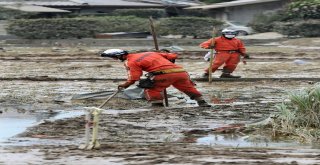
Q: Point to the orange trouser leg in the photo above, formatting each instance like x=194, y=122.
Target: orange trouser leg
x=231, y=63
x=219, y=60
x=161, y=82
x=185, y=85
x=180, y=81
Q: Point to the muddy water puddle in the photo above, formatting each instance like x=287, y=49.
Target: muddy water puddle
x=14, y=122
x=237, y=141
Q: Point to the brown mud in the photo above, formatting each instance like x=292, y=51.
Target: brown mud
x=40, y=81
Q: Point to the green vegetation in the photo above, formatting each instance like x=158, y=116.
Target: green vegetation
x=304, y=9
x=87, y=27
x=305, y=28
x=300, y=116
x=62, y=28
x=143, y=13
x=266, y=22
x=299, y=18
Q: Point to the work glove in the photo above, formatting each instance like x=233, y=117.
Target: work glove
x=173, y=60
x=244, y=62
x=125, y=85
x=208, y=55
x=246, y=56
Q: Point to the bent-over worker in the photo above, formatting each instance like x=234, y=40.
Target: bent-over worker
x=161, y=70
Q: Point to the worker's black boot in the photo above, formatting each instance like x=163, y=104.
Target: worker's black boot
x=157, y=105
x=228, y=75
x=205, y=75
x=203, y=103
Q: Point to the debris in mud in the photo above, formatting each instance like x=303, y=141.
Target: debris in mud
x=130, y=133
x=300, y=62
x=232, y=128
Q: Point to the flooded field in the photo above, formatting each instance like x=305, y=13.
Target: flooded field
x=41, y=124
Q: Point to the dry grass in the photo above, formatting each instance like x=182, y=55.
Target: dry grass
x=300, y=115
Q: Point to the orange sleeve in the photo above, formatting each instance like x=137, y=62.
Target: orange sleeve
x=134, y=71
x=241, y=48
x=169, y=56
x=207, y=44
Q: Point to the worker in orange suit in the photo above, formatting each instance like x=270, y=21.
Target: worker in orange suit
x=228, y=50
x=162, y=73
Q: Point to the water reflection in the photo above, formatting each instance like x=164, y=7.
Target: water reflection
x=231, y=140
x=11, y=126
x=13, y=122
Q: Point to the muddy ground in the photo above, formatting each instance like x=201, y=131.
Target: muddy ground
x=38, y=82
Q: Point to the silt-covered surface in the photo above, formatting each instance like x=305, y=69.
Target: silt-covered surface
x=40, y=124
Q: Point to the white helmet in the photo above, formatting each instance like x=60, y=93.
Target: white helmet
x=114, y=53
x=228, y=33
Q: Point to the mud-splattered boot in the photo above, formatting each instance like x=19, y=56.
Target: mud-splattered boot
x=205, y=75
x=203, y=103
x=228, y=75
x=156, y=104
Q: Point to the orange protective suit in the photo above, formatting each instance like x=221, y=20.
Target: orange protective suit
x=157, y=61
x=228, y=52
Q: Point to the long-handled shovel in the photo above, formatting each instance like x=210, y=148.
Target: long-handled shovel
x=95, y=111
x=91, y=95
x=105, y=102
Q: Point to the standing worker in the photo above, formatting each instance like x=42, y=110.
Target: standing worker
x=162, y=72
x=228, y=50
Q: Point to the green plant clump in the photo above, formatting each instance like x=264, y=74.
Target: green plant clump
x=298, y=18
x=304, y=9
x=265, y=22
x=303, y=28
x=143, y=13
x=62, y=28
x=300, y=116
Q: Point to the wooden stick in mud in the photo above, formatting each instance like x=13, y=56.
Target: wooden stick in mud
x=154, y=35
x=156, y=45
